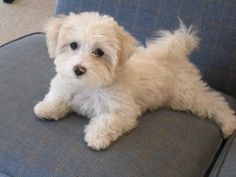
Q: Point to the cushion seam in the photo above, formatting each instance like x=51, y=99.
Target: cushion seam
x=226, y=154
x=22, y=37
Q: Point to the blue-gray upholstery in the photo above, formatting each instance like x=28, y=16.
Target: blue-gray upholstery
x=225, y=164
x=215, y=19
x=164, y=144
x=228, y=167
x=3, y=175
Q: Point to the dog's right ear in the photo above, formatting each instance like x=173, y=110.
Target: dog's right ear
x=128, y=43
x=52, y=29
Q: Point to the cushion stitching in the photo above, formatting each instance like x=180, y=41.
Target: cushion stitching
x=22, y=37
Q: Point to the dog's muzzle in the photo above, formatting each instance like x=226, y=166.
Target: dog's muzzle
x=79, y=70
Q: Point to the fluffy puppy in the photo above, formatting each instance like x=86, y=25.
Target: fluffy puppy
x=104, y=74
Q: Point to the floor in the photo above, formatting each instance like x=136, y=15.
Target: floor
x=23, y=17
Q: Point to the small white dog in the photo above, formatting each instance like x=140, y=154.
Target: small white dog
x=104, y=74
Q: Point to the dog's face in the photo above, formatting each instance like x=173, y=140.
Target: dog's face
x=88, y=48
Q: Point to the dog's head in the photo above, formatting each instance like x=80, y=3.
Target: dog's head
x=88, y=47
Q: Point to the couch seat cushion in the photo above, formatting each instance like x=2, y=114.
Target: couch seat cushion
x=166, y=142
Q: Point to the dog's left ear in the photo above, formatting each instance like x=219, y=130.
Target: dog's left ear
x=52, y=29
x=128, y=44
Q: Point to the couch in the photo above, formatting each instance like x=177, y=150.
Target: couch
x=166, y=142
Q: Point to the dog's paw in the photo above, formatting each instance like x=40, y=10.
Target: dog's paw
x=229, y=127
x=96, y=141
x=45, y=110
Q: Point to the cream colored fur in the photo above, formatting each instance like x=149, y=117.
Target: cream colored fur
x=127, y=80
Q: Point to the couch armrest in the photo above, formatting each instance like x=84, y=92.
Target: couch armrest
x=225, y=165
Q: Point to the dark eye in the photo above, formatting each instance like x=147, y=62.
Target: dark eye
x=98, y=52
x=73, y=45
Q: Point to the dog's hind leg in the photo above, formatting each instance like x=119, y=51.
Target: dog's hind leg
x=205, y=103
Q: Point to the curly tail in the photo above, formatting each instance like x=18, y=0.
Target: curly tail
x=179, y=43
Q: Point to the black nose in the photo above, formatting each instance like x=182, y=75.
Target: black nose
x=79, y=70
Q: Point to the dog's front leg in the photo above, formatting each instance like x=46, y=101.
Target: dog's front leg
x=51, y=109
x=55, y=104
x=106, y=128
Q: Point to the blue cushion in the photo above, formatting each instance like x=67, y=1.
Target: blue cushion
x=225, y=164
x=165, y=142
x=3, y=175
x=216, y=21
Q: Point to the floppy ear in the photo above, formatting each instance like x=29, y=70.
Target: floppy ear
x=52, y=29
x=128, y=44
